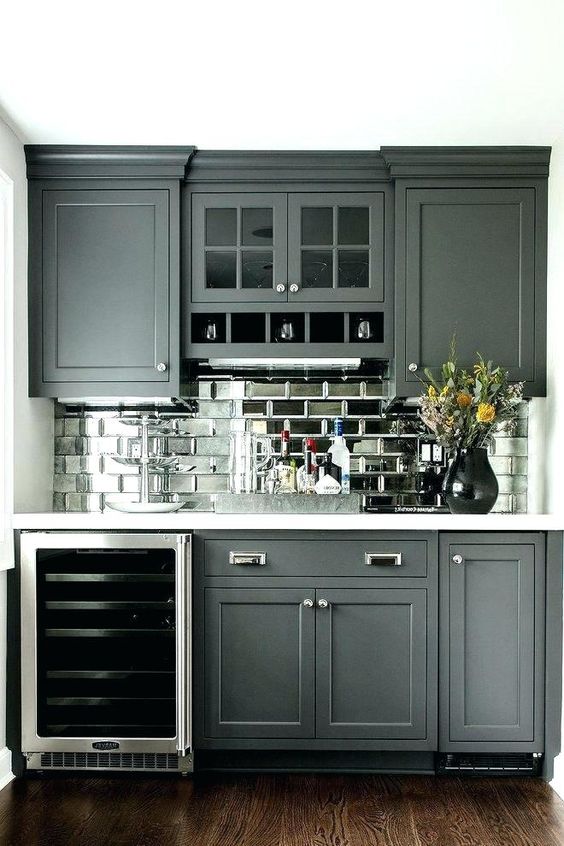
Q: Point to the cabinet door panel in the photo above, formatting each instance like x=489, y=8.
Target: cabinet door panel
x=336, y=247
x=239, y=247
x=372, y=664
x=492, y=659
x=466, y=266
x=106, y=286
x=259, y=657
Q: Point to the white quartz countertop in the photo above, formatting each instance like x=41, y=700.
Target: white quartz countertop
x=185, y=521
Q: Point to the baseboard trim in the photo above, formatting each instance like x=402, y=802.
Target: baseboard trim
x=6, y=774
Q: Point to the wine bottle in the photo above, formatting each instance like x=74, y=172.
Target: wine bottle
x=286, y=466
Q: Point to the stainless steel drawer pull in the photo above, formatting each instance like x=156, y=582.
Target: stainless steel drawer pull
x=383, y=559
x=248, y=559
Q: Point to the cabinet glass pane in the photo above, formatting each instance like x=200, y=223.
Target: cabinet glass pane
x=256, y=227
x=317, y=226
x=221, y=270
x=221, y=227
x=317, y=268
x=353, y=269
x=256, y=269
x=353, y=226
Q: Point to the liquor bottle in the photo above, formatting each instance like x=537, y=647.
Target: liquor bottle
x=286, y=466
x=329, y=475
x=310, y=465
x=340, y=455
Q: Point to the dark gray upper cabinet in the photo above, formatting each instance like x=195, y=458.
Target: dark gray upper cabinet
x=470, y=259
x=239, y=247
x=371, y=664
x=492, y=642
x=258, y=663
x=336, y=247
x=106, y=287
x=104, y=271
x=314, y=247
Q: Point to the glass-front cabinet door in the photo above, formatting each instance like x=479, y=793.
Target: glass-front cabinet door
x=239, y=247
x=336, y=247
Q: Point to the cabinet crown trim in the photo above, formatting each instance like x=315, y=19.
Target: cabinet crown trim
x=290, y=166
x=466, y=161
x=124, y=161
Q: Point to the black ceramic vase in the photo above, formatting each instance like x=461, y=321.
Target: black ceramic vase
x=470, y=485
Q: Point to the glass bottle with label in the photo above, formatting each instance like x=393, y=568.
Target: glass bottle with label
x=286, y=466
x=340, y=455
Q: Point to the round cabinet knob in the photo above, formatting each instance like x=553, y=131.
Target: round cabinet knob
x=161, y=367
x=412, y=367
x=294, y=288
x=322, y=603
x=280, y=288
x=308, y=603
x=457, y=559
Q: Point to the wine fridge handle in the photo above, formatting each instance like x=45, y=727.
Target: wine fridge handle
x=183, y=646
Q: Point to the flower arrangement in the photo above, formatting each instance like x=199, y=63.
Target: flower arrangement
x=463, y=409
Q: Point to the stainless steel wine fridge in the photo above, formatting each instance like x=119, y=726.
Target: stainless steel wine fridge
x=106, y=651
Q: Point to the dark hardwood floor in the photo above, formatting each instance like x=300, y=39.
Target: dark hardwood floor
x=292, y=810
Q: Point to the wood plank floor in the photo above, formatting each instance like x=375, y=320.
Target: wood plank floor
x=280, y=810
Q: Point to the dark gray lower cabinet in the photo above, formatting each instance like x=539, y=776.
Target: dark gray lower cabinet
x=492, y=642
x=259, y=663
x=371, y=663
x=351, y=665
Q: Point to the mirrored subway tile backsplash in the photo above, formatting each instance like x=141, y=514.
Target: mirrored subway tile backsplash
x=383, y=438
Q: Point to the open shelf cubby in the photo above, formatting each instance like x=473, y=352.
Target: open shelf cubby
x=287, y=328
x=366, y=327
x=327, y=327
x=249, y=328
x=209, y=328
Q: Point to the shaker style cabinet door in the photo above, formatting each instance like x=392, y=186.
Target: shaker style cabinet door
x=336, y=247
x=492, y=644
x=259, y=663
x=106, y=293
x=373, y=657
x=470, y=262
x=239, y=248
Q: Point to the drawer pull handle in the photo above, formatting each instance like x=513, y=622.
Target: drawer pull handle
x=383, y=559
x=458, y=559
x=322, y=603
x=248, y=559
x=308, y=603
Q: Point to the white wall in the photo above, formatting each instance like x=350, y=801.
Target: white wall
x=33, y=419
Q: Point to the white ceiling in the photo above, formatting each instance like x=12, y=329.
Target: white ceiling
x=284, y=74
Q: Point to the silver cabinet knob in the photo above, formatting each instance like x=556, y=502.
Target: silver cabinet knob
x=161, y=367
x=322, y=603
x=457, y=559
x=280, y=288
x=308, y=603
x=294, y=288
x=412, y=367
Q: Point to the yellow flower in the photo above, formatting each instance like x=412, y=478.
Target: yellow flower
x=485, y=413
x=463, y=400
x=444, y=391
x=450, y=421
x=431, y=392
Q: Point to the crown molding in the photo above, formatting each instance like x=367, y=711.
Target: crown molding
x=409, y=162
x=288, y=166
x=121, y=162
